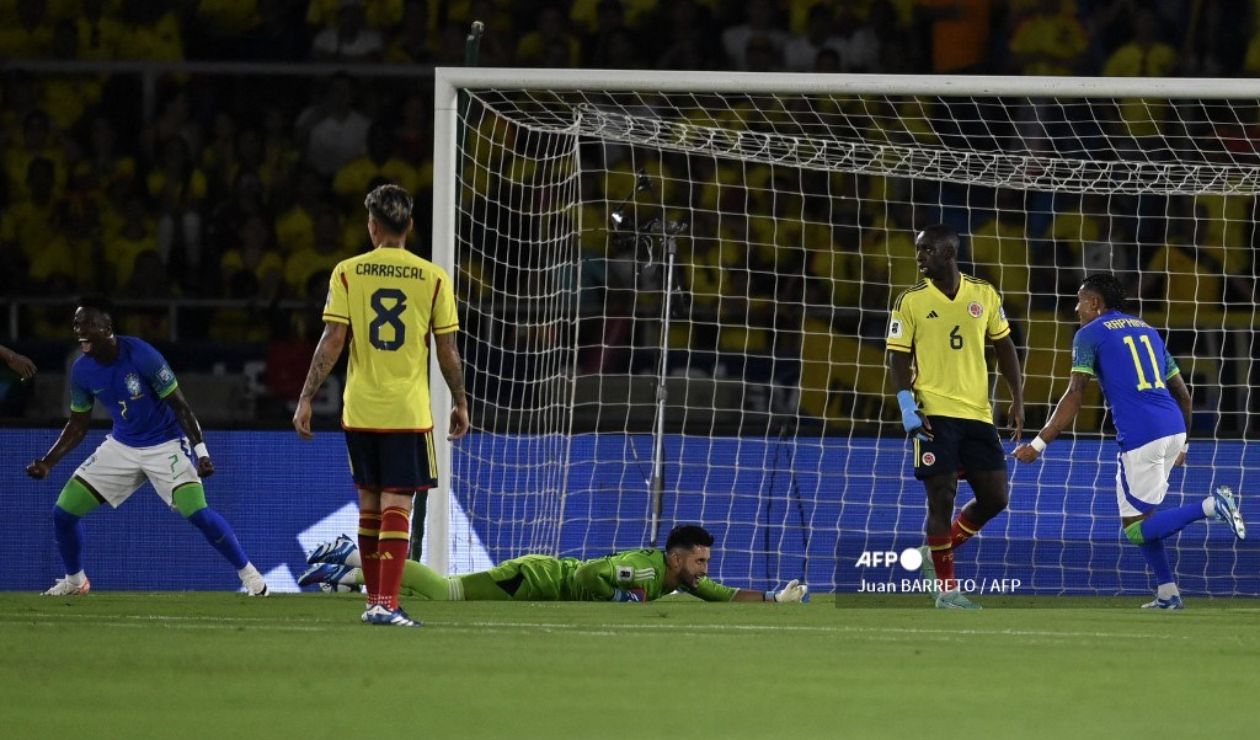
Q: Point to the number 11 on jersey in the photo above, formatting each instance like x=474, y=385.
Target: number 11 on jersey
x=1143, y=383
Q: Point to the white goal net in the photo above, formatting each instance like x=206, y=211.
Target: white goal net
x=674, y=289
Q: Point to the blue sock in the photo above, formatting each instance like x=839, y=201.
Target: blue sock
x=220, y=535
x=68, y=531
x=1171, y=521
x=1153, y=551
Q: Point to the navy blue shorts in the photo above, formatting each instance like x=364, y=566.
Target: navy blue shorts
x=959, y=446
x=393, y=462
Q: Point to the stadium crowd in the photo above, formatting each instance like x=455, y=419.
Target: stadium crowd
x=250, y=187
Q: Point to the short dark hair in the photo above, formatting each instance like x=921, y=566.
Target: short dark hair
x=688, y=536
x=1108, y=287
x=391, y=206
x=97, y=302
x=941, y=235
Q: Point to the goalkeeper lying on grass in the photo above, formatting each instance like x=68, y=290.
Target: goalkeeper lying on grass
x=634, y=575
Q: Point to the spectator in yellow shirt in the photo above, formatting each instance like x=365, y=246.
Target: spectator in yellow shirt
x=379, y=14
x=30, y=228
x=1144, y=56
x=120, y=249
x=353, y=179
x=327, y=250
x=99, y=34
x=67, y=96
x=295, y=226
x=553, y=30
x=39, y=141
x=256, y=257
x=152, y=31
x=31, y=36
x=1049, y=41
x=999, y=250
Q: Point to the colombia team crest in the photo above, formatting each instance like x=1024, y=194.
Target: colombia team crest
x=928, y=459
x=975, y=309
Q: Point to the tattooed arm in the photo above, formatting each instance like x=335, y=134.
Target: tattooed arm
x=453, y=372
x=326, y=354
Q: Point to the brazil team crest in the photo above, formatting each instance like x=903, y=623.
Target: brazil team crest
x=133, y=385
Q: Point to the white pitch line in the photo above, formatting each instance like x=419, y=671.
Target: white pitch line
x=599, y=629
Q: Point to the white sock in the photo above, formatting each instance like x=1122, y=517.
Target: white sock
x=77, y=579
x=1209, y=507
x=1167, y=591
x=248, y=572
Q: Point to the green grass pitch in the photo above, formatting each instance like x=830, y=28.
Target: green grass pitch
x=216, y=665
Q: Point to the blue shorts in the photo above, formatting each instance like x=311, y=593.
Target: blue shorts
x=392, y=462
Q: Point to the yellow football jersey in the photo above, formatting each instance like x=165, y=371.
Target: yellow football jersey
x=947, y=338
x=392, y=301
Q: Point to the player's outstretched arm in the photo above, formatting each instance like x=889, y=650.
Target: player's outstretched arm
x=793, y=593
x=453, y=371
x=1062, y=417
x=20, y=364
x=71, y=435
x=192, y=430
x=1008, y=366
x=331, y=343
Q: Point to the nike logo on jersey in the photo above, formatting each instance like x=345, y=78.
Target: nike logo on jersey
x=933, y=315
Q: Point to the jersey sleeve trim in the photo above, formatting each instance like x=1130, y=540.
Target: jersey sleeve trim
x=81, y=409
x=336, y=319
x=168, y=390
x=1000, y=335
x=1083, y=369
x=445, y=329
x=1174, y=371
x=900, y=347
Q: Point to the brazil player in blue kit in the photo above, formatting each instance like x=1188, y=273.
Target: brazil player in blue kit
x=155, y=437
x=1150, y=405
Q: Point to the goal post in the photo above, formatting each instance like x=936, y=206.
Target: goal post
x=674, y=287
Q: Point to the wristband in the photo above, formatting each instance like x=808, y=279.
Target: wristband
x=768, y=596
x=200, y=450
x=1038, y=444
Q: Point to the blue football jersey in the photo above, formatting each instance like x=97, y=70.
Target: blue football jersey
x=132, y=388
x=1132, y=364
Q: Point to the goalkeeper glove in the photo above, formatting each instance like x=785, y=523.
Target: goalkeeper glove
x=636, y=595
x=910, y=418
x=794, y=592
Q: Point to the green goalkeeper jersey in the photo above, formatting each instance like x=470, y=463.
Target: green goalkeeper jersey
x=595, y=580
x=544, y=578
